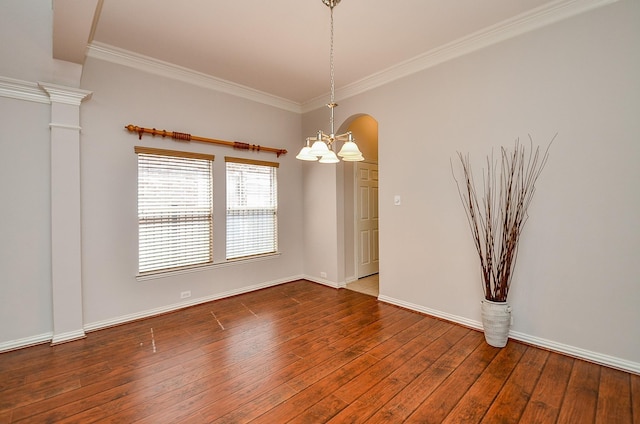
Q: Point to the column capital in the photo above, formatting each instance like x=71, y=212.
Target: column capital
x=66, y=95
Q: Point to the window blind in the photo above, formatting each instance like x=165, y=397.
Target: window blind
x=175, y=219
x=252, y=208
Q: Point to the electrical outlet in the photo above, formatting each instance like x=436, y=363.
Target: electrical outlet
x=185, y=294
x=323, y=274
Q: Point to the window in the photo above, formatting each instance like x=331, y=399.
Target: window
x=252, y=208
x=175, y=219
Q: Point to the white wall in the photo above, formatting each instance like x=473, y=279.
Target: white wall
x=124, y=96
x=321, y=260
x=26, y=49
x=25, y=31
x=121, y=95
x=25, y=217
x=576, y=286
x=25, y=220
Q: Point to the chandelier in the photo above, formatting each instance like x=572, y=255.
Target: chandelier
x=321, y=146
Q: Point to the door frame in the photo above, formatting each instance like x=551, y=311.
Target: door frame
x=356, y=244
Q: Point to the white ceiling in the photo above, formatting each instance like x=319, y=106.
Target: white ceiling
x=281, y=47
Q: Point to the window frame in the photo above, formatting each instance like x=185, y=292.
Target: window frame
x=190, y=215
x=271, y=210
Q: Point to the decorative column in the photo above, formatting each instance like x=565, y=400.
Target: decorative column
x=66, y=249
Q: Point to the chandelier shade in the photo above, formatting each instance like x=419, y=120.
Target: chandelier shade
x=329, y=157
x=321, y=146
x=306, y=155
x=353, y=158
x=349, y=148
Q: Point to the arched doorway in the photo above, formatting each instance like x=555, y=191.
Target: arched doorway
x=360, y=189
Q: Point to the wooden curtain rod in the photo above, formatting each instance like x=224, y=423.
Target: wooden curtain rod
x=188, y=137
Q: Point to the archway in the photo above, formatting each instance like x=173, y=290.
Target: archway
x=360, y=203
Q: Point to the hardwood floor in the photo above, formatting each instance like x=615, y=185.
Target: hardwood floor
x=305, y=353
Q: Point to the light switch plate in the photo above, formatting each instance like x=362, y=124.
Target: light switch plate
x=396, y=200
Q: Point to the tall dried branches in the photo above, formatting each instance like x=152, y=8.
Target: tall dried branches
x=497, y=217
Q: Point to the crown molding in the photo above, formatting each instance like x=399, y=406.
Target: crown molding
x=148, y=64
x=41, y=92
x=22, y=90
x=547, y=14
x=534, y=19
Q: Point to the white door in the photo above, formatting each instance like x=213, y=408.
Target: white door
x=367, y=219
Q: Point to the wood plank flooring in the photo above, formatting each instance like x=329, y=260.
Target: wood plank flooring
x=305, y=353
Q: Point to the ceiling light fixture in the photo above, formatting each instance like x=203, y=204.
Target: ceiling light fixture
x=321, y=146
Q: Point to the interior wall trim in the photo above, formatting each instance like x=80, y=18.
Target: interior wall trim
x=99, y=325
x=529, y=21
x=150, y=65
x=573, y=351
x=69, y=336
x=537, y=18
x=324, y=282
x=599, y=358
x=26, y=342
x=23, y=90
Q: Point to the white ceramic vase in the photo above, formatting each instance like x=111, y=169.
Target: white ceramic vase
x=496, y=320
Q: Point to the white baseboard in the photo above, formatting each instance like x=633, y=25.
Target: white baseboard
x=325, y=282
x=42, y=338
x=69, y=336
x=476, y=325
x=599, y=358
x=576, y=352
x=349, y=280
x=98, y=325
x=587, y=355
x=26, y=342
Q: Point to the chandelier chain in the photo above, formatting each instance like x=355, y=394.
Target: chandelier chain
x=322, y=147
x=332, y=73
x=331, y=61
